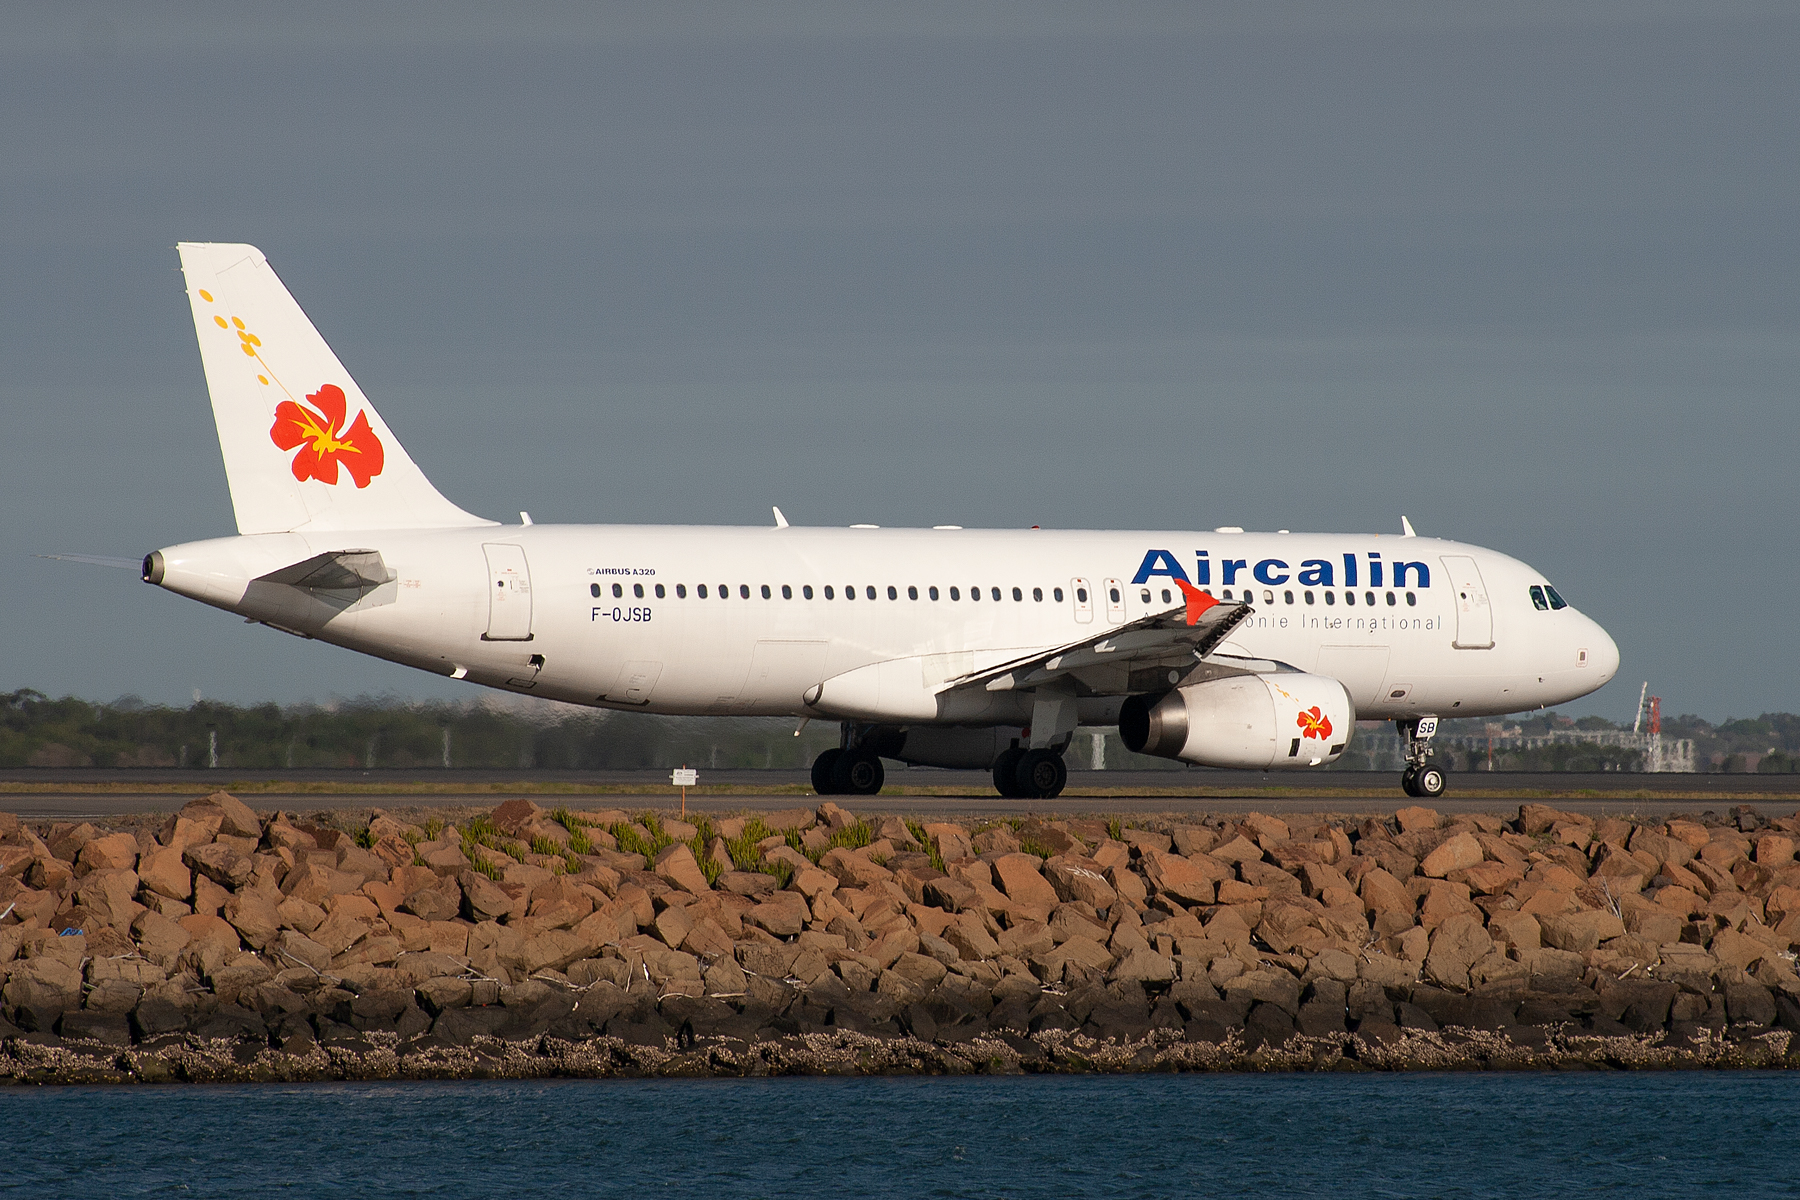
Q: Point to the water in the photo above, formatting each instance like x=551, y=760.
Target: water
x=1501, y=1135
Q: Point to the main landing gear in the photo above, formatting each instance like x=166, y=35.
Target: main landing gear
x=1421, y=778
x=1030, y=774
x=851, y=772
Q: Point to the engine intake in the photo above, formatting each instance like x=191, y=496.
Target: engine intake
x=1253, y=722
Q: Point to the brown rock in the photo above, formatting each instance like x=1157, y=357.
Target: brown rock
x=1144, y=966
x=1143, y=840
x=1381, y=892
x=482, y=898
x=297, y=947
x=950, y=841
x=1262, y=826
x=1179, y=877
x=1458, y=944
x=1238, y=850
x=43, y=983
x=159, y=938
x=107, y=893
x=214, y=933
x=676, y=865
x=790, y=818
x=341, y=930
x=1076, y=880
x=1128, y=884
x=1021, y=878
x=163, y=872
x=314, y=881
x=512, y=816
x=235, y=817
x=1488, y=878
x=971, y=940
x=1453, y=854
x=1417, y=819
x=220, y=862
x=783, y=914
x=1581, y=931
x=255, y=916
x=1734, y=949
x=116, y=852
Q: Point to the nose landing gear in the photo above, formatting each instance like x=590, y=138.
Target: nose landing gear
x=1421, y=778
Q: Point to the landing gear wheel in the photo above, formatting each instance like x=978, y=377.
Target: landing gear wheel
x=1040, y=775
x=822, y=770
x=857, y=774
x=1409, y=781
x=1006, y=773
x=1429, y=782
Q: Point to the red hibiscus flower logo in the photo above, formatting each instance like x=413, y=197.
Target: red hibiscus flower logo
x=323, y=442
x=1314, y=724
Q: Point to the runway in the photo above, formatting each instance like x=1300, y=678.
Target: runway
x=78, y=794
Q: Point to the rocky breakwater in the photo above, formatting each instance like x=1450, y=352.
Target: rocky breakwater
x=224, y=944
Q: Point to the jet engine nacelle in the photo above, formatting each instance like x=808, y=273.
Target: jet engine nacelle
x=1253, y=722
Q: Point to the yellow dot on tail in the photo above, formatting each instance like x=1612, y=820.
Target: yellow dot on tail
x=238, y=321
x=220, y=322
x=254, y=340
x=249, y=349
x=206, y=295
x=263, y=379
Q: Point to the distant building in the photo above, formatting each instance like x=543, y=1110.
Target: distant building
x=1661, y=754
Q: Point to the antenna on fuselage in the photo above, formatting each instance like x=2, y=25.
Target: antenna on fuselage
x=781, y=522
x=1406, y=529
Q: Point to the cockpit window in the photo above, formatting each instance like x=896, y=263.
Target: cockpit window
x=1556, y=601
x=1537, y=599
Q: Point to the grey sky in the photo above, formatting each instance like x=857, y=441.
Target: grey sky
x=1526, y=273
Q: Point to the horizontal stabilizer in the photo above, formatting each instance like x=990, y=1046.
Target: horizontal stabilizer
x=99, y=560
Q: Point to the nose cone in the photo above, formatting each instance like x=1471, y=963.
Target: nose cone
x=1604, y=652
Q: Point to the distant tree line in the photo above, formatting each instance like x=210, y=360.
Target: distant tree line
x=385, y=733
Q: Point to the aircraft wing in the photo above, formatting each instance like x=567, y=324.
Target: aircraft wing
x=1150, y=653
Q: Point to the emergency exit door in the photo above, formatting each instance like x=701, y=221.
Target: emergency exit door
x=509, y=594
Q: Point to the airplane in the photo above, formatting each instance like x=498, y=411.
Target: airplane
x=949, y=647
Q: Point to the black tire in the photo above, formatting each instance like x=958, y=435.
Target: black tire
x=1430, y=782
x=857, y=775
x=822, y=769
x=1040, y=775
x=1409, y=781
x=1006, y=772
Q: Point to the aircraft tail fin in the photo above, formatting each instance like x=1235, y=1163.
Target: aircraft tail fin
x=304, y=449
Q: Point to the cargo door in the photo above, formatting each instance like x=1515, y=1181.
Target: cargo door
x=509, y=594
x=1474, y=615
x=636, y=681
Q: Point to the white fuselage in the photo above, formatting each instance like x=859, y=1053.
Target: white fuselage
x=533, y=609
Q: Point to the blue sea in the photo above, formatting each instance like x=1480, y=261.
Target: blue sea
x=1500, y=1135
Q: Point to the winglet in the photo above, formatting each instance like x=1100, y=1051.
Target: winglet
x=781, y=522
x=1406, y=529
x=1197, y=601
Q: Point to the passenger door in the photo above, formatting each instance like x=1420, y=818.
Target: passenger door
x=509, y=594
x=1474, y=615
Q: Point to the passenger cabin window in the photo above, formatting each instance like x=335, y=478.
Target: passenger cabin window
x=1411, y=599
x=995, y=593
x=828, y=593
x=594, y=590
x=681, y=591
x=1081, y=595
x=744, y=591
x=932, y=592
x=912, y=593
x=870, y=592
x=618, y=590
x=1330, y=598
x=659, y=591
x=700, y=591
x=1113, y=595
x=1268, y=596
x=765, y=592
x=1144, y=596
x=1556, y=601
x=787, y=593
x=724, y=591
x=894, y=593
x=1037, y=594
x=1018, y=595
x=1288, y=596
x=955, y=595
x=1307, y=596
x=1350, y=598
x=974, y=593
x=1228, y=593
x=806, y=591
x=637, y=590
x=1369, y=599
x=1390, y=597
x=1167, y=597
x=1056, y=595
x=850, y=592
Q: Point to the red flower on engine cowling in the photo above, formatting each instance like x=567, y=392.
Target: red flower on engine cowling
x=1314, y=724
x=322, y=441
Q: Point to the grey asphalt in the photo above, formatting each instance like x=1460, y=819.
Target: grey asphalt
x=60, y=795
